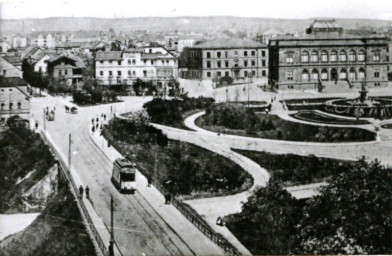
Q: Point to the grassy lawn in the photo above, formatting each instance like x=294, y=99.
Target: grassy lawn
x=291, y=170
x=312, y=116
x=58, y=230
x=235, y=119
x=192, y=171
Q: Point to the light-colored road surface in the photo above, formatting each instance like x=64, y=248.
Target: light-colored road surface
x=139, y=229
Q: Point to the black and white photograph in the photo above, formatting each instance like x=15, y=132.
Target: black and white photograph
x=205, y=128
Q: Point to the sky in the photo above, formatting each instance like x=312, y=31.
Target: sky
x=295, y=9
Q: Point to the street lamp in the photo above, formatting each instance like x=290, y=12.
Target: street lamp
x=249, y=81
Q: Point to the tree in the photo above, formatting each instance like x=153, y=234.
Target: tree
x=353, y=215
x=267, y=220
x=137, y=84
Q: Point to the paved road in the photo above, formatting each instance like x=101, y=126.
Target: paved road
x=139, y=229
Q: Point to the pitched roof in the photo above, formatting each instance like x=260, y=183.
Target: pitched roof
x=232, y=43
x=29, y=51
x=16, y=82
x=108, y=55
x=325, y=23
x=78, y=62
x=13, y=59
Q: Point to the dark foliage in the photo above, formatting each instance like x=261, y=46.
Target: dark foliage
x=170, y=112
x=266, y=224
x=353, y=215
x=296, y=169
x=182, y=168
x=21, y=151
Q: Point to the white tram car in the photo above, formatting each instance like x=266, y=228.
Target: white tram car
x=124, y=175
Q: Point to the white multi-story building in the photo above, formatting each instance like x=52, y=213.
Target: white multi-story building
x=19, y=42
x=124, y=67
x=44, y=40
x=181, y=43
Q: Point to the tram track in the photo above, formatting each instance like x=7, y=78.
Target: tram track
x=137, y=202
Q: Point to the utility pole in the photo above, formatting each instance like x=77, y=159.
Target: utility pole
x=44, y=120
x=111, y=251
x=69, y=153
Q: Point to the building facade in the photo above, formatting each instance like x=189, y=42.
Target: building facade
x=66, y=68
x=325, y=58
x=14, y=98
x=44, y=41
x=226, y=58
x=124, y=67
x=19, y=42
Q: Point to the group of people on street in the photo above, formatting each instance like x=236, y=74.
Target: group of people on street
x=96, y=124
x=81, y=190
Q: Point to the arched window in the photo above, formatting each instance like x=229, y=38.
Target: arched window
x=324, y=56
x=343, y=74
x=342, y=55
x=352, y=74
x=333, y=56
x=314, y=57
x=305, y=75
x=305, y=56
x=324, y=75
x=315, y=74
x=361, y=55
x=351, y=55
x=361, y=74
x=334, y=74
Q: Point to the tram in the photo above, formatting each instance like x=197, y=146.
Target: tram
x=124, y=175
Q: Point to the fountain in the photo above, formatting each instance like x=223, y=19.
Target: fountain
x=363, y=106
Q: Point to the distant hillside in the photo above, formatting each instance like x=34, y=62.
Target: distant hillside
x=196, y=24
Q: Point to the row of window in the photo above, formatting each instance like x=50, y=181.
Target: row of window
x=225, y=54
x=130, y=73
x=11, y=105
x=246, y=73
x=61, y=72
x=245, y=62
x=352, y=74
x=133, y=62
x=333, y=56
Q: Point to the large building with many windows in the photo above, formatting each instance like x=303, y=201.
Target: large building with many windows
x=327, y=58
x=151, y=63
x=226, y=58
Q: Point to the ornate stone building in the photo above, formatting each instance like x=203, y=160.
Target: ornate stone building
x=327, y=58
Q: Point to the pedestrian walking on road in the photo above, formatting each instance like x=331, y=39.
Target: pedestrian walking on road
x=81, y=191
x=36, y=124
x=149, y=180
x=92, y=121
x=87, y=192
x=168, y=198
x=104, y=117
x=97, y=119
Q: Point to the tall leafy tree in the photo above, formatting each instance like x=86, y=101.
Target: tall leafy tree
x=267, y=220
x=353, y=215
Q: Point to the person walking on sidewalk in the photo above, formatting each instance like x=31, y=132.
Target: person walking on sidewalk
x=87, y=192
x=81, y=191
x=149, y=180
